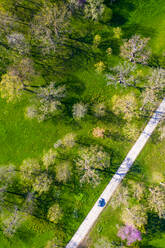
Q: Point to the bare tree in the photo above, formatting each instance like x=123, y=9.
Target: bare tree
x=18, y=42
x=50, y=25
x=135, y=50
x=154, y=91
x=123, y=74
x=11, y=223
x=94, y=9
x=46, y=102
x=157, y=200
x=89, y=160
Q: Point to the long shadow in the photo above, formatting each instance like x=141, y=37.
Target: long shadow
x=136, y=172
x=121, y=10
x=155, y=226
x=130, y=30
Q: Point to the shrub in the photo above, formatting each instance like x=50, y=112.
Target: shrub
x=100, y=67
x=98, y=132
x=54, y=213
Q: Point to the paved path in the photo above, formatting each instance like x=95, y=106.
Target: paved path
x=94, y=213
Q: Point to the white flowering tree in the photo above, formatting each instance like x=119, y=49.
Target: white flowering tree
x=135, y=216
x=79, y=110
x=47, y=102
x=49, y=26
x=94, y=9
x=154, y=91
x=63, y=172
x=29, y=169
x=135, y=50
x=99, y=109
x=123, y=74
x=125, y=105
x=42, y=183
x=156, y=200
x=17, y=41
x=49, y=157
x=89, y=160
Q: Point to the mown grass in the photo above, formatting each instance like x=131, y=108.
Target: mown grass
x=142, y=17
x=145, y=18
x=148, y=19
x=22, y=138
x=149, y=169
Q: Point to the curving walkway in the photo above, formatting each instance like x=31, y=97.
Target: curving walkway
x=94, y=213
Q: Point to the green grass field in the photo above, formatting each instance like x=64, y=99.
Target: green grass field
x=21, y=138
x=146, y=18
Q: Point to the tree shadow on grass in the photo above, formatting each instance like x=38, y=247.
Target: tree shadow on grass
x=121, y=10
x=136, y=172
x=130, y=30
x=155, y=226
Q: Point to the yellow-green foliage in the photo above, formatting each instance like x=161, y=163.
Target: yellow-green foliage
x=135, y=216
x=29, y=169
x=54, y=213
x=49, y=157
x=117, y=33
x=100, y=67
x=109, y=51
x=131, y=131
x=11, y=87
x=42, y=183
x=96, y=40
x=125, y=105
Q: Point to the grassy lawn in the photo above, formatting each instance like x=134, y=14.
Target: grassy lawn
x=142, y=17
x=22, y=138
x=146, y=18
x=150, y=166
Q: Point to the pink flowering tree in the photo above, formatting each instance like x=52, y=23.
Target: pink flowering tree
x=130, y=234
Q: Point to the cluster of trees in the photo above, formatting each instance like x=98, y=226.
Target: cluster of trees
x=135, y=209
x=128, y=73
x=36, y=178
x=38, y=39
